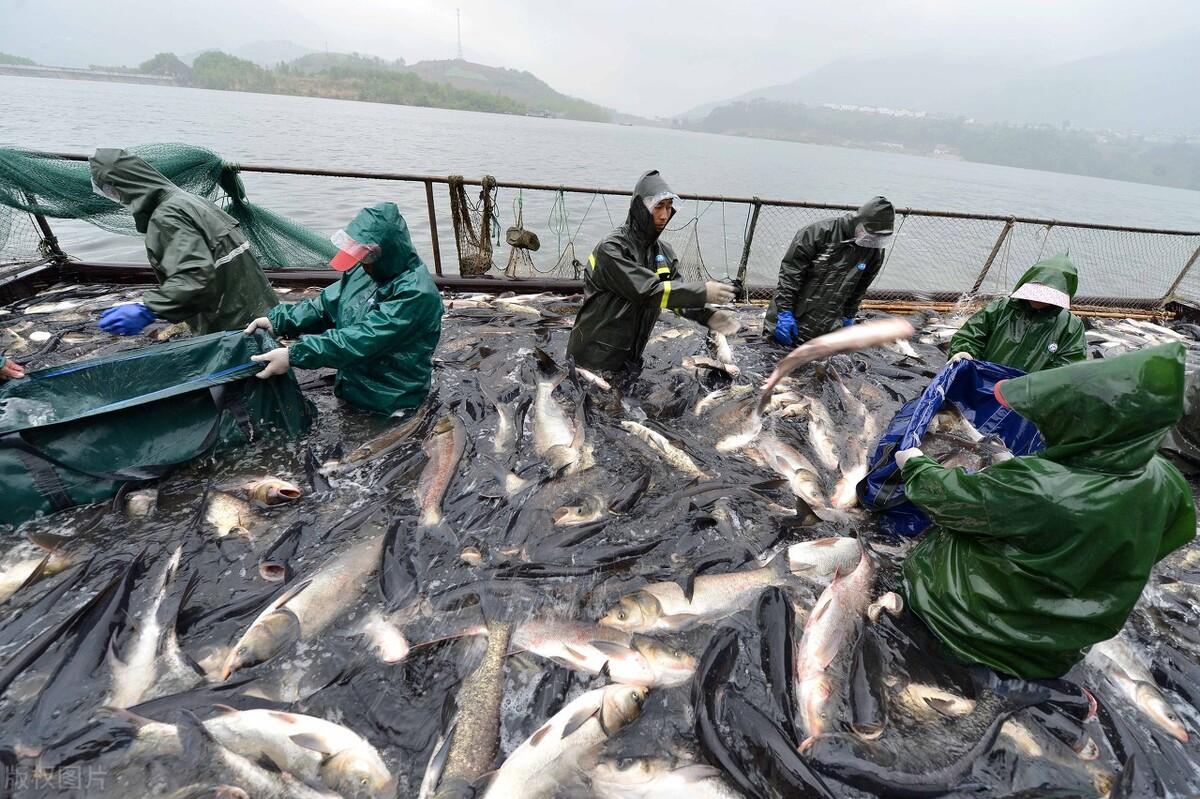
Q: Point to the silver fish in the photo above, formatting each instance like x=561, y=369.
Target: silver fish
x=229, y=515
x=22, y=564
x=555, y=437
x=1031, y=741
x=308, y=607
x=536, y=767
x=829, y=630
x=444, y=448
x=140, y=504
x=674, y=456
x=628, y=659
x=656, y=778
x=725, y=354
x=1129, y=672
x=714, y=398
x=790, y=464
x=137, y=672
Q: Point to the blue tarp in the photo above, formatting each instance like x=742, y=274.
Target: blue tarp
x=969, y=386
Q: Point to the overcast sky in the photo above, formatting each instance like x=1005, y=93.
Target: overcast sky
x=648, y=58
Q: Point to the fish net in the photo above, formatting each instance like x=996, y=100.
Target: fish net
x=59, y=188
x=473, y=226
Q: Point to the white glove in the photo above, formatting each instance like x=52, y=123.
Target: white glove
x=261, y=322
x=276, y=360
x=717, y=293
x=905, y=455
x=723, y=322
x=961, y=356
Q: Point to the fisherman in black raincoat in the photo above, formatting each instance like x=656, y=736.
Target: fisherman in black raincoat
x=826, y=271
x=632, y=276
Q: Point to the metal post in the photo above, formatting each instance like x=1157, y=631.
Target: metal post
x=1179, y=279
x=745, y=262
x=433, y=231
x=987, y=266
x=50, y=246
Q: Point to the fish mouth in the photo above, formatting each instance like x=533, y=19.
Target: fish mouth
x=277, y=496
x=272, y=571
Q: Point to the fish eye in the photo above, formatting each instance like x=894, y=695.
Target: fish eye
x=622, y=615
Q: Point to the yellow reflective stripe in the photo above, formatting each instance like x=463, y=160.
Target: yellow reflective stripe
x=663, y=270
x=592, y=260
x=666, y=287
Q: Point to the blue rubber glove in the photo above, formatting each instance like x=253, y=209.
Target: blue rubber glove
x=785, y=328
x=847, y=321
x=126, y=320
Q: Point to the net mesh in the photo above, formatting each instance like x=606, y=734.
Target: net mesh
x=58, y=188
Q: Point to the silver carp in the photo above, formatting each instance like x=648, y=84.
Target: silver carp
x=555, y=437
x=671, y=454
x=628, y=659
x=134, y=675
x=22, y=564
x=790, y=464
x=308, y=607
x=536, y=767
x=1128, y=671
x=229, y=515
x=444, y=449
x=656, y=778
x=831, y=628
x=381, y=445
x=725, y=354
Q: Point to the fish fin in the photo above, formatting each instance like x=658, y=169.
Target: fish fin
x=114, y=660
x=537, y=737
x=265, y=762
x=682, y=619
x=578, y=720
x=1124, y=787
x=574, y=652
x=943, y=706
x=548, y=367
x=50, y=542
x=223, y=709
x=695, y=772
x=191, y=727
x=610, y=649
x=314, y=742
x=767, y=485
x=605, y=671
x=128, y=716
x=291, y=593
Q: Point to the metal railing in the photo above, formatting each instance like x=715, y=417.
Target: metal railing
x=936, y=256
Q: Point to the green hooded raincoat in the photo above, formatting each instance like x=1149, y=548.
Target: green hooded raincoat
x=1033, y=560
x=206, y=273
x=379, y=332
x=1013, y=333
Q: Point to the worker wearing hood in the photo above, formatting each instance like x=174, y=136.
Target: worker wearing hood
x=378, y=325
x=631, y=277
x=1033, y=560
x=207, y=276
x=826, y=272
x=1032, y=328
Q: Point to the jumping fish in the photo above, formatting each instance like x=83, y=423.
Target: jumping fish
x=847, y=339
x=271, y=491
x=829, y=629
x=626, y=658
x=714, y=398
x=444, y=448
x=507, y=431
x=136, y=673
x=307, y=607
x=669, y=452
x=535, y=768
x=1128, y=671
x=665, y=606
x=21, y=565
x=555, y=438
x=657, y=778
x=593, y=378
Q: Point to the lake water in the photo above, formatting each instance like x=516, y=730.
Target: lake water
x=77, y=117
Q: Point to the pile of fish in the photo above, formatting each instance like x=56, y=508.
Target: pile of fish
x=536, y=585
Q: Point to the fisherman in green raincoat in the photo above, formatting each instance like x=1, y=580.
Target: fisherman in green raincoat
x=1033, y=560
x=378, y=325
x=1032, y=328
x=207, y=276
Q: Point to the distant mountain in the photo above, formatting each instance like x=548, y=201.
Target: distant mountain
x=918, y=82
x=319, y=62
x=514, y=84
x=1147, y=89
x=268, y=54
x=1144, y=89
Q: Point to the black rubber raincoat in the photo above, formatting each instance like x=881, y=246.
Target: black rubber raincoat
x=824, y=274
x=1014, y=333
x=631, y=278
x=378, y=330
x=1033, y=560
x=206, y=273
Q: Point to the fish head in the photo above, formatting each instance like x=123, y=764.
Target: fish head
x=560, y=457
x=357, y=774
x=636, y=611
x=264, y=640
x=670, y=664
x=621, y=706
x=576, y=514
x=1156, y=707
x=273, y=491
x=628, y=773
